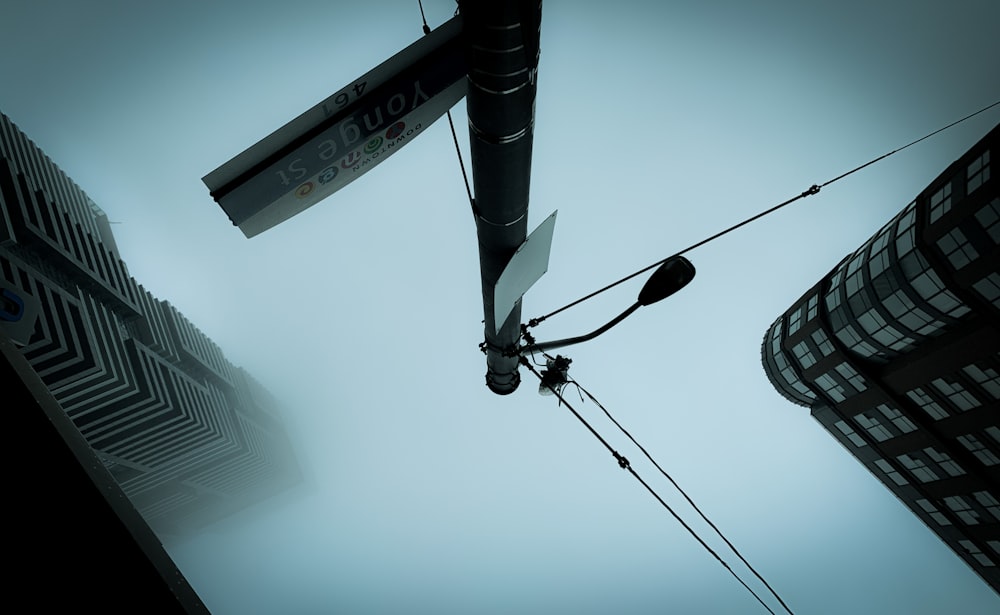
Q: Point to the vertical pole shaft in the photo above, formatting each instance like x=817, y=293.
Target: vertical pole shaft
x=501, y=39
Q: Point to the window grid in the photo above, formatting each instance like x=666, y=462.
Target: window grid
x=927, y=403
x=957, y=394
x=918, y=468
x=824, y=344
x=986, y=377
x=987, y=501
x=941, y=202
x=993, y=432
x=977, y=448
x=961, y=507
x=903, y=424
x=795, y=321
x=989, y=288
x=957, y=248
x=905, y=234
x=946, y=463
x=804, y=354
x=932, y=510
x=989, y=218
x=784, y=368
x=852, y=376
x=977, y=172
x=831, y=387
x=813, y=307
x=976, y=553
x=850, y=434
x=893, y=475
x=873, y=427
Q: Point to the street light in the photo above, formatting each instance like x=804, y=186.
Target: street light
x=670, y=277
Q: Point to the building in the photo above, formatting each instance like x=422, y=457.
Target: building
x=190, y=437
x=896, y=352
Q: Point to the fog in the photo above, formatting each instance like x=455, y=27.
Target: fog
x=657, y=125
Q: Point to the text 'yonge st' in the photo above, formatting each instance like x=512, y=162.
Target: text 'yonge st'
x=344, y=136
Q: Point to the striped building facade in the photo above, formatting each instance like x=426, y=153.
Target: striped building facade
x=896, y=352
x=190, y=437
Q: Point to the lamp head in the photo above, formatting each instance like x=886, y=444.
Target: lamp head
x=669, y=278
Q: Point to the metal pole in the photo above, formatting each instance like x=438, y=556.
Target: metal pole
x=501, y=44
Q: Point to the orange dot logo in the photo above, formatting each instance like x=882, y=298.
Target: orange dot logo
x=304, y=190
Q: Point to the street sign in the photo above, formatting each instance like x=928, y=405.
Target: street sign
x=529, y=263
x=344, y=136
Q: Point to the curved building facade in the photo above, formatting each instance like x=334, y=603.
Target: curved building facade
x=896, y=352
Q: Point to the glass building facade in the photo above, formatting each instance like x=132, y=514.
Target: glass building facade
x=190, y=437
x=896, y=352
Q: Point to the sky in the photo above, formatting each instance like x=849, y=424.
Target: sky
x=657, y=125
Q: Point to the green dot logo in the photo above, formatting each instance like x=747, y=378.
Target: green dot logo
x=373, y=145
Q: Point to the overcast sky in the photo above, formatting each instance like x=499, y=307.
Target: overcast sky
x=657, y=124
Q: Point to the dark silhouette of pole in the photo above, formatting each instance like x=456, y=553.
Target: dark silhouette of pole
x=501, y=44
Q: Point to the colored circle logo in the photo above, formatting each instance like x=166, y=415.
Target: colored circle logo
x=304, y=189
x=395, y=130
x=327, y=174
x=350, y=160
x=373, y=145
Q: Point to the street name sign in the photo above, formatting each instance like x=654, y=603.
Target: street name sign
x=344, y=136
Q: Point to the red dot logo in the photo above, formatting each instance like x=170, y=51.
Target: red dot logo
x=395, y=130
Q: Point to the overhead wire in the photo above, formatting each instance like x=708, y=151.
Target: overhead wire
x=683, y=493
x=814, y=189
x=451, y=123
x=623, y=462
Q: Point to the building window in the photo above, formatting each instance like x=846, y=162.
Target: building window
x=831, y=387
x=986, y=377
x=945, y=462
x=795, y=321
x=989, y=218
x=963, y=509
x=822, y=342
x=850, y=434
x=902, y=423
x=930, y=287
x=804, y=355
x=848, y=335
x=976, y=553
x=855, y=280
x=852, y=376
x=918, y=468
x=784, y=368
x=813, y=307
x=979, y=449
x=873, y=427
x=993, y=432
x=891, y=472
x=989, y=288
x=957, y=249
x=956, y=394
x=884, y=333
x=927, y=403
x=905, y=235
x=977, y=172
x=909, y=315
x=934, y=513
x=941, y=202
x=987, y=501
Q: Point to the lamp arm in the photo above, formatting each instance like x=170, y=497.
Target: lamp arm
x=569, y=341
